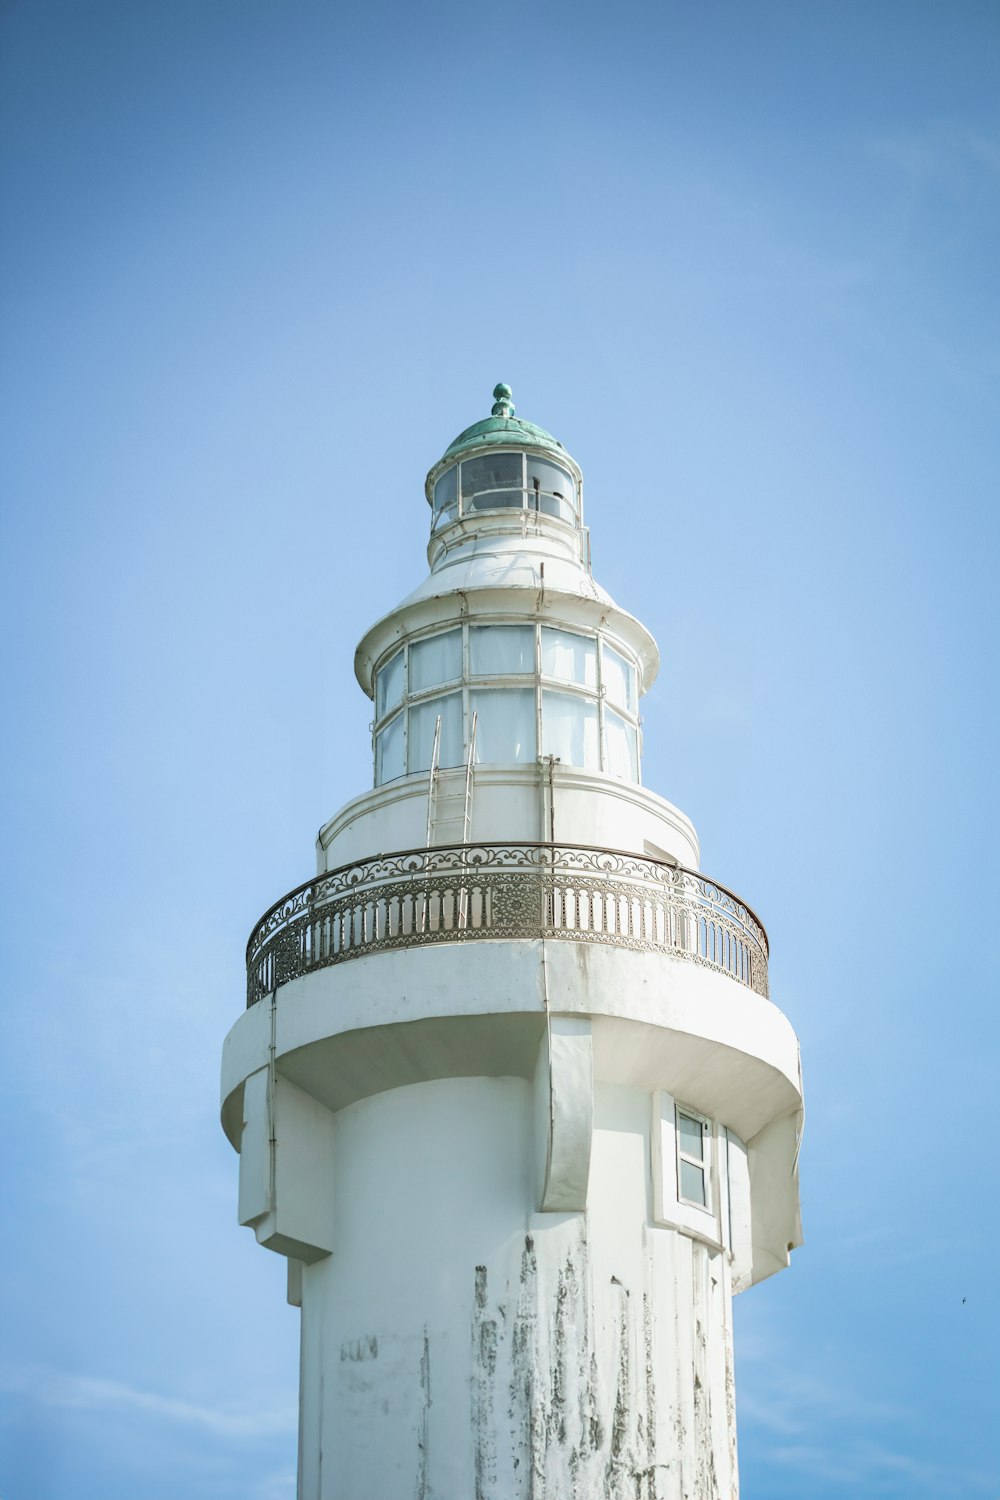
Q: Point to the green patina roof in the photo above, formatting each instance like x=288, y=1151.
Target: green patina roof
x=502, y=427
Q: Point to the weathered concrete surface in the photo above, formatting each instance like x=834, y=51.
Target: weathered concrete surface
x=587, y=1355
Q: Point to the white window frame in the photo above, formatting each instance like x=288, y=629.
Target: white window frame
x=703, y=1163
x=670, y=1210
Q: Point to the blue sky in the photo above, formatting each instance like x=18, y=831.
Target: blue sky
x=260, y=263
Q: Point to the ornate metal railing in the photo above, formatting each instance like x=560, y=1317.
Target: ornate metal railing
x=468, y=892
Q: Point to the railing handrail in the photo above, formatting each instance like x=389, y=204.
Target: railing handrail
x=505, y=891
x=425, y=855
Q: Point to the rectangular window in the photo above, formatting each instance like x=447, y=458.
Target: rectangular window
x=619, y=681
x=505, y=727
x=571, y=658
x=501, y=650
x=389, y=751
x=570, y=729
x=420, y=732
x=389, y=685
x=692, y=1158
x=436, y=659
x=623, y=747
x=551, y=489
x=494, y=471
x=446, y=490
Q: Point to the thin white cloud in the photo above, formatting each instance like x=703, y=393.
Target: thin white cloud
x=798, y=1403
x=56, y=1388
x=944, y=153
x=837, y=1431
x=870, y=1465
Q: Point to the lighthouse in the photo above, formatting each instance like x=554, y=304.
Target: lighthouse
x=510, y=1093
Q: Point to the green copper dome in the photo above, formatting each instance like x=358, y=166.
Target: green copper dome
x=502, y=427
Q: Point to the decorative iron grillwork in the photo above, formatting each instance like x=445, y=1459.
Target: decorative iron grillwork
x=469, y=892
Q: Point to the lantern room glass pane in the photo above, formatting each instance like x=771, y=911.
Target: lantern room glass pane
x=499, y=500
x=438, y=658
x=505, y=726
x=446, y=490
x=571, y=730
x=389, y=751
x=691, y=1135
x=619, y=680
x=693, y=1183
x=420, y=732
x=623, y=747
x=389, y=685
x=445, y=517
x=501, y=650
x=573, y=658
x=493, y=471
x=551, y=505
x=551, y=489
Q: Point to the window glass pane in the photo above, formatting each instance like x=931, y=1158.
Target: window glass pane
x=436, y=659
x=505, y=728
x=495, y=650
x=499, y=500
x=623, y=747
x=619, y=680
x=389, y=751
x=546, y=478
x=551, y=505
x=389, y=685
x=570, y=730
x=445, y=517
x=691, y=1135
x=693, y=1183
x=446, y=490
x=571, y=657
x=420, y=732
x=494, y=471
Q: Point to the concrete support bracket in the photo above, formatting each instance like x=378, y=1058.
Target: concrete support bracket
x=564, y=1113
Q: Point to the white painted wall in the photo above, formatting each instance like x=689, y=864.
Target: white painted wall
x=512, y=805
x=459, y=1343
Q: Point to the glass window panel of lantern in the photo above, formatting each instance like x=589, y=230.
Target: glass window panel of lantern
x=420, y=732
x=570, y=730
x=552, y=505
x=573, y=658
x=389, y=685
x=623, y=747
x=446, y=490
x=505, y=725
x=501, y=650
x=389, y=751
x=493, y=471
x=437, y=658
x=619, y=680
x=499, y=500
x=552, y=488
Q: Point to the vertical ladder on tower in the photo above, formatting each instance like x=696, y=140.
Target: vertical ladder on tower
x=434, y=781
x=470, y=762
x=449, y=801
x=449, y=814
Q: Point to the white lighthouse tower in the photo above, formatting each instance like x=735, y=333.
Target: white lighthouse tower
x=509, y=1092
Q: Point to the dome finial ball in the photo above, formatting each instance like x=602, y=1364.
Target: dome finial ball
x=503, y=406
